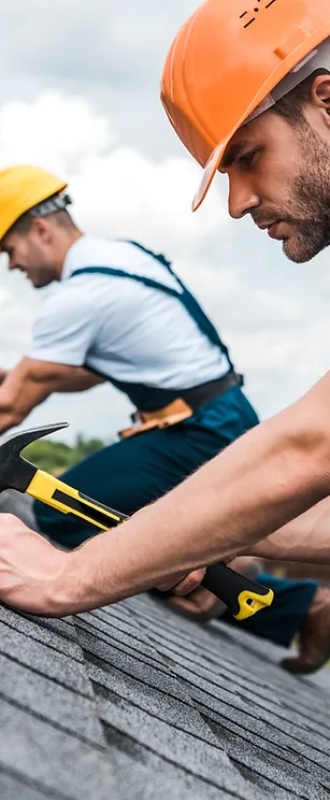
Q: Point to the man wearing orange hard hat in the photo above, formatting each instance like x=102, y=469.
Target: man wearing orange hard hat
x=248, y=91
x=229, y=64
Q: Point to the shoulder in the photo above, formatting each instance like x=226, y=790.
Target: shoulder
x=123, y=253
x=91, y=251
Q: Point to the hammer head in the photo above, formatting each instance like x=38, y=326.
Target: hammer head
x=16, y=472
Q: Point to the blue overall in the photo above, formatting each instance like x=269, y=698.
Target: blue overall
x=136, y=471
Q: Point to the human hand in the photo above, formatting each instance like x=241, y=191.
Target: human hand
x=200, y=603
x=182, y=584
x=194, y=599
x=32, y=571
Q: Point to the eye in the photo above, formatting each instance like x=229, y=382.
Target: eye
x=247, y=159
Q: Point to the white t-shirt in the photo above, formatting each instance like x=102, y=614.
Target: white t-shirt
x=120, y=327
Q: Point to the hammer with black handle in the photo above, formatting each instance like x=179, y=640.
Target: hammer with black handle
x=242, y=596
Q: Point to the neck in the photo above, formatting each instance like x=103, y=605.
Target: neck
x=67, y=239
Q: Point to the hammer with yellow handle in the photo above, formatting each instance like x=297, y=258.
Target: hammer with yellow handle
x=242, y=596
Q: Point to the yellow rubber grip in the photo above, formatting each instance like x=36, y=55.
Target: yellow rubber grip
x=251, y=602
x=43, y=487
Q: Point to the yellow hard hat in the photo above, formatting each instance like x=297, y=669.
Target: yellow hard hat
x=21, y=188
x=233, y=58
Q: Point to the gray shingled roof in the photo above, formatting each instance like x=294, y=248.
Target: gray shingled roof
x=133, y=702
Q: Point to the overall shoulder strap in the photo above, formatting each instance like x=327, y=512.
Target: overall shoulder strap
x=121, y=273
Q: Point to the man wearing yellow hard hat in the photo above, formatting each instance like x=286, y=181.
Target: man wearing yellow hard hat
x=248, y=91
x=114, y=312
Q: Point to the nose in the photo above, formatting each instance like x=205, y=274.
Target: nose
x=241, y=197
x=11, y=263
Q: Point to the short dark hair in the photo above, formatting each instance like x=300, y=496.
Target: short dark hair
x=61, y=218
x=291, y=106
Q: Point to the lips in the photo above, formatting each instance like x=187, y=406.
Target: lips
x=272, y=228
x=274, y=231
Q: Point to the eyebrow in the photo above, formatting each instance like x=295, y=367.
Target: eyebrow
x=233, y=151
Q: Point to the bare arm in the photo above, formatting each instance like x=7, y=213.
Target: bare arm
x=32, y=381
x=306, y=538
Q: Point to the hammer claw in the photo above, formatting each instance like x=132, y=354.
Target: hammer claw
x=15, y=471
x=21, y=439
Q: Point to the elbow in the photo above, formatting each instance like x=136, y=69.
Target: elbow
x=309, y=446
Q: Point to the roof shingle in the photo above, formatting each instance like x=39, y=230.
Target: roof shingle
x=133, y=702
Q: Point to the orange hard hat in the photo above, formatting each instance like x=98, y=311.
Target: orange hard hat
x=233, y=59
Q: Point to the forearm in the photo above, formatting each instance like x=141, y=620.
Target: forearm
x=16, y=402
x=19, y=394
x=11, y=410
x=80, y=380
x=271, y=475
x=31, y=382
x=306, y=538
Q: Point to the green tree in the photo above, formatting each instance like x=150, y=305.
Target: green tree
x=57, y=457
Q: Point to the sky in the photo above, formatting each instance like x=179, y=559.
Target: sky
x=80, y=95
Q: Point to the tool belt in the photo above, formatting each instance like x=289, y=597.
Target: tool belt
x=183, y=407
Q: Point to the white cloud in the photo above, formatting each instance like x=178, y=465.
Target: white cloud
x=130, y=195
x=59, y=132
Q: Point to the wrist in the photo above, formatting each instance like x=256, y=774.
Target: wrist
x=63, y=589
x=79, y=584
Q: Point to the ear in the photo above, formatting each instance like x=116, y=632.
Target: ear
x=42, y=227
x=320, y=92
